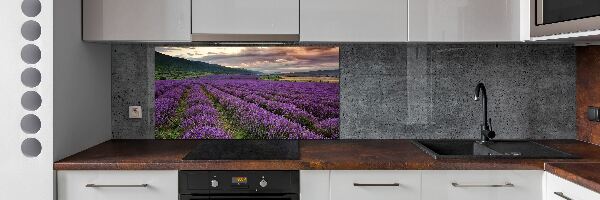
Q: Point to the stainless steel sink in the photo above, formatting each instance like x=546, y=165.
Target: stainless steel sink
x=495, y=149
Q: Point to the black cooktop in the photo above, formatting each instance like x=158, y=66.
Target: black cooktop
x=245, y=150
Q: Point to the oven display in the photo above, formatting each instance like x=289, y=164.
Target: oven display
x=239, y=180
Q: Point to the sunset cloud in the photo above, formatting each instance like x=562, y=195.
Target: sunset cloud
x=263, y=59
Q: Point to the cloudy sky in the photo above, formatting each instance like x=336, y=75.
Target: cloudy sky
x=262, y=59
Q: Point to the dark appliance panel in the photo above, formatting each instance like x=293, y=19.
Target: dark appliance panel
x=232, y=185
x=248, y=197
x=245, y=150
x=554, y=11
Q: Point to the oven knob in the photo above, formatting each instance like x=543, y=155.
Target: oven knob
x=214, y=183
x=263, y=183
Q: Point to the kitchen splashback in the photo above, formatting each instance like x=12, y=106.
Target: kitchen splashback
x=247, y=92
x=408, y=90
x=588, y=92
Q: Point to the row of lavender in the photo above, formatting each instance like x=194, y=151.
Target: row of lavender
x=258, y=122
x=201, y=118
x=167, y=96
x=263, y=109
x=308, y=104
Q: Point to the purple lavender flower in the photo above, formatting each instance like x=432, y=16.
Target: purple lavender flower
x=265, y=109
x=260, y=122
x=205, y=132
x=164, y=110
x=330, y=128
x=202, y=119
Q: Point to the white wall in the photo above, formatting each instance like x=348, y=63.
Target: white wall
x=82, y=89
x=77, y=74
x=24, y=177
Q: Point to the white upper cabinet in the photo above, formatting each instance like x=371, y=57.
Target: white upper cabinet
x=307, y=20
x=468, y=20
x=353, y=20
x=245, y=20
x=136, y=20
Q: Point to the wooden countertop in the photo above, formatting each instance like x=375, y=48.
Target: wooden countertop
x=584, y=174
x=314, y=154
x=332, y=155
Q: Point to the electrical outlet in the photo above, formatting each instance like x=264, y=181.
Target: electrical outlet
x=135, y=112
x=593, y=114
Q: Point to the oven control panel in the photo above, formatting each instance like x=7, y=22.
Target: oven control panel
x=229, y=182
x=263, y=183
x=239, y=182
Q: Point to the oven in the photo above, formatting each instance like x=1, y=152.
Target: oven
x=239, y=185
x=240, y=197
x=553, y=17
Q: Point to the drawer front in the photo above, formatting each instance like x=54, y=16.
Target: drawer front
x=314, y=185
x=117, y=185
x=375, y=185
x=560, y=189
x=482, y=184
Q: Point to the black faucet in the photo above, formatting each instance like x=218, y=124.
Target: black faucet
x=486, y=129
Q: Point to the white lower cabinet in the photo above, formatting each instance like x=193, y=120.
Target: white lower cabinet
x=375, y=185
x=421, y=185
x=560, y=189
x=117, y=185
x=341, y=185
x=314, y=184
x=482, y=185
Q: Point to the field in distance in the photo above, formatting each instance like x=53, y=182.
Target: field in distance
x=319, y=79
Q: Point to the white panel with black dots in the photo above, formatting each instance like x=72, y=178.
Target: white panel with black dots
x=26, y=43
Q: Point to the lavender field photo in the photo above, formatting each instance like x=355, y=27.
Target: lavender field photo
x=247, y=93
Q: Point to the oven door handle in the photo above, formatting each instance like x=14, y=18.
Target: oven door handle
x=239, y=196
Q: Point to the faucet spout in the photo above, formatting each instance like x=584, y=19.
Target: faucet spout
x=480, y=94
x=481, y=88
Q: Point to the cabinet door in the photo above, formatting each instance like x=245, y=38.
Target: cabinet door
x=314, y=185
x=375, y=185
x=353, y=20
x=482, y=184
x=560, y=189
x=245, y=17
x=117, y=185
x=136, y=20
x=468, y=20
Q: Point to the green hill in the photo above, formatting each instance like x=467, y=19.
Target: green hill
x=168, y=67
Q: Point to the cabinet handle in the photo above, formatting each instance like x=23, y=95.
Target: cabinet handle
x=115, y=186
x=376, y=184
x=560, y=194
x=493, y=185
